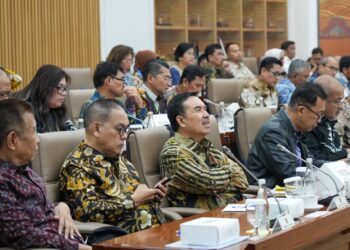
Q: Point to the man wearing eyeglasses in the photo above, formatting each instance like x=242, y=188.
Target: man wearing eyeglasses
x=303, y=113
x=101, y=185
x=109, y=83
x=329, y=65
x=5, y=85
x=323, y=141
x=263, y=89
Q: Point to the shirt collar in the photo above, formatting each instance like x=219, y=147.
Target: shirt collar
x=149, y=92
x=96, y=155
x=190, y=143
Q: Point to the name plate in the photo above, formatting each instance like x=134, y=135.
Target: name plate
x=284, y=221
x=338, y=202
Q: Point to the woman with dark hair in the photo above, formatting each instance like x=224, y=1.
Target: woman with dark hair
x=184, y=55
x=124, y=56
x=46, y=93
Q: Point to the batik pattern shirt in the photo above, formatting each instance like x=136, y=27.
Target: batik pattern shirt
x=203, y=177
x=252, y=93
x=240, y=71
x=285, y=89
x=27, y=217
x=343, y=124
x=99, y=189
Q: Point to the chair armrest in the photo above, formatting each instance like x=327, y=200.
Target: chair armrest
x=171, y=215
x=88, y=227
x=187, y=211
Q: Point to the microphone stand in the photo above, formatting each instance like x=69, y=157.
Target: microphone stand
x=228, y=152
x=137, y=119
x=283, y=148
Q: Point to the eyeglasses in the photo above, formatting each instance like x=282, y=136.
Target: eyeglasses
x=5, y=94
x=62, y=90
x=319, y=116
x=123, y=130
x=119, y=79
x=332, y=68
x=277, y=74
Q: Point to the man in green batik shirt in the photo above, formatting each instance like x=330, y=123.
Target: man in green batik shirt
x=99, y=184
x=203, y=176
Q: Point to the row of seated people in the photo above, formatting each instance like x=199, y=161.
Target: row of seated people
x=101, y=185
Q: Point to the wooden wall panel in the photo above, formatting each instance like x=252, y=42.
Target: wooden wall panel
x=61, y=32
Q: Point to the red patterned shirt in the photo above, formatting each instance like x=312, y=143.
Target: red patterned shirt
x=27, y=217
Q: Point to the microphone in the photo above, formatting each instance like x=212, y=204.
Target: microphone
x=229, y=153
x=283, y=148
x=137, y=119
x=211, y=102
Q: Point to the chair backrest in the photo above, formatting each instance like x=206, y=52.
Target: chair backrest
x=252, y=64
x=53, y=150
x=247, y=124
x=74, y=100
x=145, y=146
x=224, y=90
x=81, y=78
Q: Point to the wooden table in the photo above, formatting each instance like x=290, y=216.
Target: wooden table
x=328, y=232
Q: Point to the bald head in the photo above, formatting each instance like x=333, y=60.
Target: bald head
x=335, y=93
x=5, y=85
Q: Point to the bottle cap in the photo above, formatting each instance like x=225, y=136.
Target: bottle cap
x=309, y=160
x=261, y=181
x=80, y=120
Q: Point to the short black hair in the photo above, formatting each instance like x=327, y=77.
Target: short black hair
x=286, y=44
x=100, y=110
x=229, y=44
x=103, y=70
x=153, y=67
x=268, y=63
x=176, y=108
x=11, y=113
x=201, y=58
x=344, y=62
x=317, y=50
x=181, y=50
x=307, y=94
x=191, y=72
x=210, y=49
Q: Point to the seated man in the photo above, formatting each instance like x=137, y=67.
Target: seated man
x=28, y=219
x=264, y=88
x=5, y=85
x=298, y=73
x=156, y=82
x=323, y=141
x=192, y=80
x=215, y=67
x=329, y=65
x=302, y=114
x=109, y=83
x=238, y=69
x=100, y=184
x=203, y=176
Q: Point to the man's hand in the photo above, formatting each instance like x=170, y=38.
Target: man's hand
x=132, y=92
x=66, y=223
x=144, y=195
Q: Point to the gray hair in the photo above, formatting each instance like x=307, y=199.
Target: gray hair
x=297, y=66
x=325, y=59
x=100, y=110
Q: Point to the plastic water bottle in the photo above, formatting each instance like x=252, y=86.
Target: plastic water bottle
x=222, y=118
x=150, y=120
x=264, y=226
x=347, y=178
x=309, y=181
x=80, y=123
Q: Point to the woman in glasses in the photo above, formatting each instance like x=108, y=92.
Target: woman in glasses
x=46, y=93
